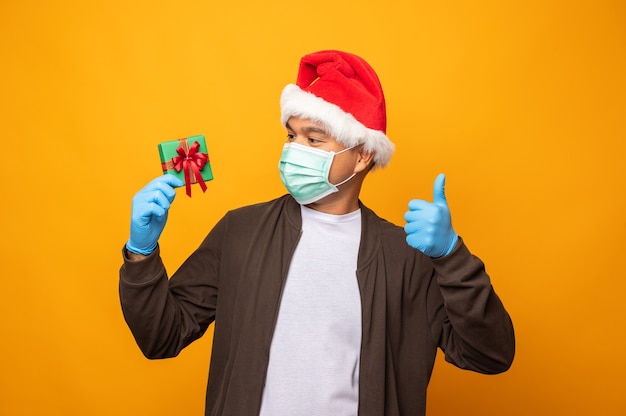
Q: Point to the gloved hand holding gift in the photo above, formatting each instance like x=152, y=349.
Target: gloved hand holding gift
x=184, y=162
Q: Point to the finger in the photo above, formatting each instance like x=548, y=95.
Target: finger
x=173, y=181
x=417, y=241
x=147, y=200
x=144, y=212
x=416, y=215
x=439, y=194
x=167, y=179
x=154, y=210
x=160, y=197
x=165, y=184
x=418, y=204
x=412, y=227
x=166, y=190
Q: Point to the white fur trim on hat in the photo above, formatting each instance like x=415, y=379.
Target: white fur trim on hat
x=347, y=130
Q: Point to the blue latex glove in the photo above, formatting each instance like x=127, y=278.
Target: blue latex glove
x=429, y=227
x=149, y=213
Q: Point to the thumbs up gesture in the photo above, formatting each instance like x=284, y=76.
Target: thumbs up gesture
x=428, y=225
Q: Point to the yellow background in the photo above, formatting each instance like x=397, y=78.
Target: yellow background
x=521, y=103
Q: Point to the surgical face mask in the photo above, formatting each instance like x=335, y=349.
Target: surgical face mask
x=304, y=171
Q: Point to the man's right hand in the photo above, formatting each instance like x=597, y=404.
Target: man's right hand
x=149, y=213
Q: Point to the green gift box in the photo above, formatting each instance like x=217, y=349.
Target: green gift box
x=188, y=160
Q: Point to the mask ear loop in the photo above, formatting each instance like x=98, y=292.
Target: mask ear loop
x=349, y=177
x=345, y=180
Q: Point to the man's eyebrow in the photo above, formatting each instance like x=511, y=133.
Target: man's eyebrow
x=314, y=129
x=310, y=129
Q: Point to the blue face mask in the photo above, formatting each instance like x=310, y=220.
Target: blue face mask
x=304, y=172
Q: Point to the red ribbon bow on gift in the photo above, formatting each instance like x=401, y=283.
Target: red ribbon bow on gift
x=190, y=161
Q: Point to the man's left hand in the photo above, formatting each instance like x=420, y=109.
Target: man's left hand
x=429, y=226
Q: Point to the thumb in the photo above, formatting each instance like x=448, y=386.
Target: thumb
x=439, y=197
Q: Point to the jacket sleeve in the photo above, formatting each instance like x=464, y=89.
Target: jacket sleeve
x=475, y=330
x=165, y=315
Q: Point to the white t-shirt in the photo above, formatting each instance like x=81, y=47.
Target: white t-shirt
x=315, y=352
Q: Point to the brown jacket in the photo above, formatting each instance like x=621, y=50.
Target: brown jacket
x=411, y=305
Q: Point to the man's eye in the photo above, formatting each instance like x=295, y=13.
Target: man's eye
x=291, y=137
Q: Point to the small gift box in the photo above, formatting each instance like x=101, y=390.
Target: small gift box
x=188, y=160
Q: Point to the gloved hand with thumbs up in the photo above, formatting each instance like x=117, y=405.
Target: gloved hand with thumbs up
x=429, y=227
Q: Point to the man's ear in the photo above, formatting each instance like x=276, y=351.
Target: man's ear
x=364, y=161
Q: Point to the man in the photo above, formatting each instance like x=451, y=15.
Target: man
x=320, y=306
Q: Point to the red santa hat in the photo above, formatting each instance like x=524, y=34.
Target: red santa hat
x=342, y=92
